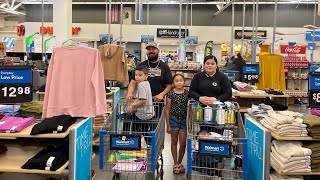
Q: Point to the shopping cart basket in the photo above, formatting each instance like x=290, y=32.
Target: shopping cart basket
x=130, y=146
x=216, y=144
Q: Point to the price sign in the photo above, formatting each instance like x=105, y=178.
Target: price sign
x=250, y=78
x=315, y=81
x=15, y=84
x=314, y=98
x=250, y=73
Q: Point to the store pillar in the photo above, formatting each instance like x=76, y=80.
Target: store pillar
x=62, y=20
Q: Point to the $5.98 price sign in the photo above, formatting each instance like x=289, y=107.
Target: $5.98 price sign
x=251, y=78
x=15, y=84
x=314, y=98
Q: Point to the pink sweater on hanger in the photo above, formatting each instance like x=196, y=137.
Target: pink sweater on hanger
x=75, y=83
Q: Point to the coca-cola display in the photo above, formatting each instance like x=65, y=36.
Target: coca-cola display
x=295, y=63
x=293, y=49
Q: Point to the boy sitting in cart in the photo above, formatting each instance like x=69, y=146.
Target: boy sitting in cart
x=143, y=104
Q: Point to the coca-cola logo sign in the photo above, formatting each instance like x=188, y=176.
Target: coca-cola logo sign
x=293, y=49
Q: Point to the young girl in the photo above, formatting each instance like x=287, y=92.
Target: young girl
x=176, y=119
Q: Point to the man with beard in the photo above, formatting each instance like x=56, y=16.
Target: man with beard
x=160, y=76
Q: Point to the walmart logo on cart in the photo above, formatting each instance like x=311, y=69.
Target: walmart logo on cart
x=214, y=148
x=125, y=142
x=217, y=149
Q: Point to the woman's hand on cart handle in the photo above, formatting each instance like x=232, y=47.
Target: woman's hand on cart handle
x=130, y=97
x=168, y=129
x=204, y=100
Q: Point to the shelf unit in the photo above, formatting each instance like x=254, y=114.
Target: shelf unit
x=17, y=155
x=20, y=152
x=287, y=138
x=187, y=77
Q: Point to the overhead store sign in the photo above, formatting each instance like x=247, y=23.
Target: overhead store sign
x=293, y=49
x=248, y=34
x=171, y=33
x=309, y=35
x=20, y=30
x=49, y=30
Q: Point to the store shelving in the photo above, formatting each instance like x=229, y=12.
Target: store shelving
x=26, y=133
x=294, y=173
x=17, y=155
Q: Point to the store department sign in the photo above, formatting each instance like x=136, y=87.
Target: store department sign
x=259, y=141
x=293, y=49
x=171, y=33
x=49, y=30
x=248, y=34
x=309, y=35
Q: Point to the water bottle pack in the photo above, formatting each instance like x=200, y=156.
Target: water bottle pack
x=219, y=113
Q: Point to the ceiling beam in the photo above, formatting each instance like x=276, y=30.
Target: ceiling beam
x=224, y=7
x=177, y=2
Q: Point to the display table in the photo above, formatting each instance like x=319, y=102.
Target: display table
x=80, y=156
x=246, y=99
x=17, y=155
x=26, y=133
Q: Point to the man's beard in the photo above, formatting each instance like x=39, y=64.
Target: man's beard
x=153, y=58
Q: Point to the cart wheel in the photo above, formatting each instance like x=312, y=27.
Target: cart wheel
x=188, y=177
x=116, y=176
x=161, y=175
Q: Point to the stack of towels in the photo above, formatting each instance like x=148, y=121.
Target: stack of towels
x=315, y=156
x=290, y=156
x=259, y=111
x=285, y=123
x=276, y=176
x=313, y=126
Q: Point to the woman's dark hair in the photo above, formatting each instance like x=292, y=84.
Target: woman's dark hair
x=176, y=75
x=211, y=57
x=239, y=56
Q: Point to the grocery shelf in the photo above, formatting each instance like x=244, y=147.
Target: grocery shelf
x=17, y=155
x=197, y=70
x=289, y=78
x=302, y=67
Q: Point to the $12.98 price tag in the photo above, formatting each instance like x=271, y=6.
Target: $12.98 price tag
x=251, y=78
x=15, y=84
x=314, y=98
x=15, y=93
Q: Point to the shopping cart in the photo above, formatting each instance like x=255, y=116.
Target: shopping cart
x=132, y=147
x=222, y=153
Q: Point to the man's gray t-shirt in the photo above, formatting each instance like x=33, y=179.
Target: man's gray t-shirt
x=146, y=111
